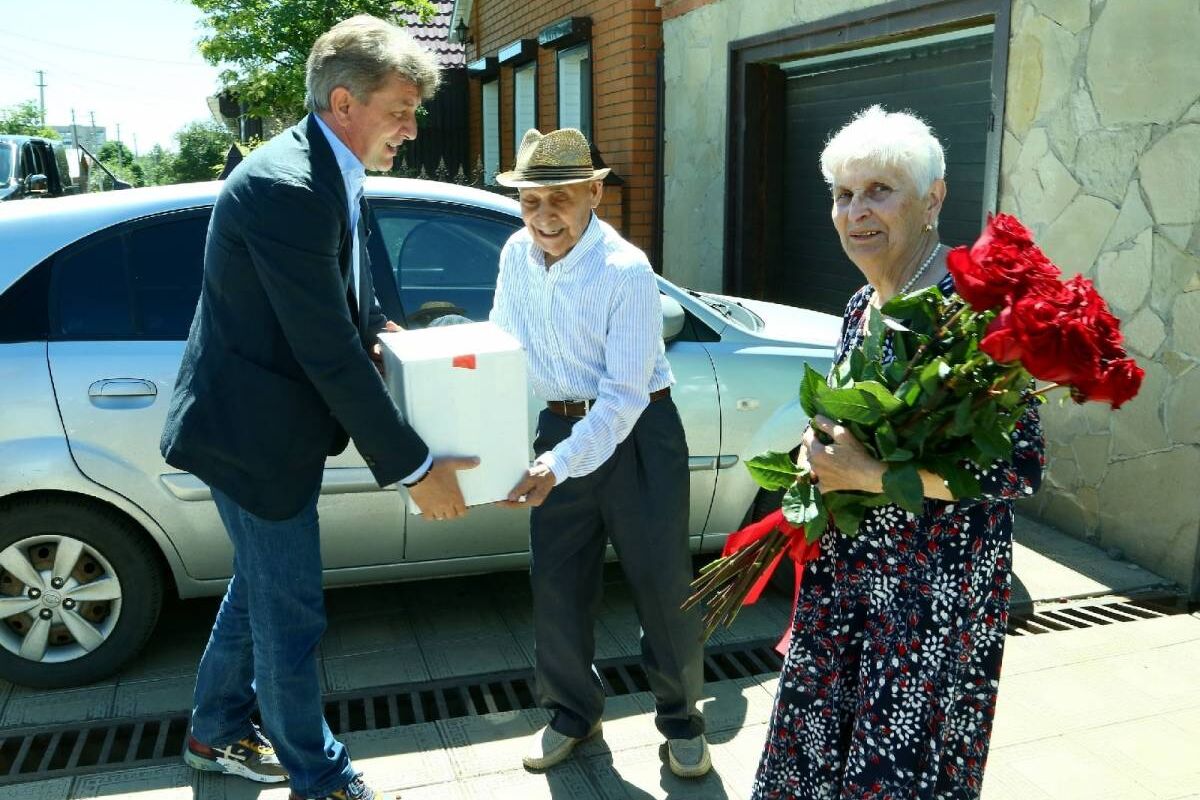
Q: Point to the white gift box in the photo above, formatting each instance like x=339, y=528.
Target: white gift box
x=463, y=389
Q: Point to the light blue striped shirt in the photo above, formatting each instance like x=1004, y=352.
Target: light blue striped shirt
x=591, y=326
x=353, y=176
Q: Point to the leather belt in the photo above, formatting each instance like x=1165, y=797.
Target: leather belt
x=578, y=409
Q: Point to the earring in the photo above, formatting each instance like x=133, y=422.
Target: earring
x=928, y=227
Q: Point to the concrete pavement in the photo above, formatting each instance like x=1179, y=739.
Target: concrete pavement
x=1111, y=711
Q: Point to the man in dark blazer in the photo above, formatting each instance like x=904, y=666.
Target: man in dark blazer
x=277, y=375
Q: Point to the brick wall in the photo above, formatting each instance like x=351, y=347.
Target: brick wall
x=626, y=39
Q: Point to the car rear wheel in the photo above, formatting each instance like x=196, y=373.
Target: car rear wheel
x=80, y=592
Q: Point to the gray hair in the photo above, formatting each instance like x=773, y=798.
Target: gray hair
x=359, y=54
x=893, y=139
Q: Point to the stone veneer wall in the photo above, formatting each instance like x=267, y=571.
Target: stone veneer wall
x=1101, y=158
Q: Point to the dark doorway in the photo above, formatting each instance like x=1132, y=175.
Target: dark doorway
x=947, y=84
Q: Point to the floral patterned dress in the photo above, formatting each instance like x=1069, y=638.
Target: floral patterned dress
x=889, y=686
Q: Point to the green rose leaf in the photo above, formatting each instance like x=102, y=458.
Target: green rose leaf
x=872, y=346
x=852, y=405
x=773, y=470
x=961, y=482
x=933, y=374
x=812, y=387
x=903, y=484
x=962, y=421
x=888, y=402
x=919, y=311
x=847, y=510
x=802, y=505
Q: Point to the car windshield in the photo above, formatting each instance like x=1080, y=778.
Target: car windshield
x=6, y=164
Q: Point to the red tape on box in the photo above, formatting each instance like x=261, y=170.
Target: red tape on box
x=464, y=362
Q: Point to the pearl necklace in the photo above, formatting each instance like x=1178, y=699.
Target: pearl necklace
x=913, y=280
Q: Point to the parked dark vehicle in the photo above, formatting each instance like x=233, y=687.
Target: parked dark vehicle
x=31, y=166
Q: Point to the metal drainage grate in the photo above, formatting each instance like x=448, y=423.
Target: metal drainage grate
x=53, y=751
x=1092, y=615
x=89, y=747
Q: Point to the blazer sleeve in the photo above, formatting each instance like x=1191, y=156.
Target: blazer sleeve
x=294, y=239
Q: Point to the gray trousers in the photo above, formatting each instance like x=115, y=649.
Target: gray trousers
x=638, y=499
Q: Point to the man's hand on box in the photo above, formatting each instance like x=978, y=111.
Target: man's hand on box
x=438, y=493
x=533, y=488
x=377, y=349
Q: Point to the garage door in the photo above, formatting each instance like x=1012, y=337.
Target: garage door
x=948, y=83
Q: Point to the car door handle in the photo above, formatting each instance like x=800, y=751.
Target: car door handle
x=123, y=387
x=707, y=463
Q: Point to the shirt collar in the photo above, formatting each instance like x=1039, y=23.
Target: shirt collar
x=353, y=172
x=592, y=234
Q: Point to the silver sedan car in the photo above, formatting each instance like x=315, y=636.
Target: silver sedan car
x=96, y=296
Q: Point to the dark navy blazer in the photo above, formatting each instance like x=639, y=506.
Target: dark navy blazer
x=276, y=371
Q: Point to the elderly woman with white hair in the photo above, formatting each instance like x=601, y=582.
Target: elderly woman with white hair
x=889, y=686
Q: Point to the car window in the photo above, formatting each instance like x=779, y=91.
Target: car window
x=443, y=260
x=140, y=282
x=6, y=164
x=166, y=265
x=90, y=291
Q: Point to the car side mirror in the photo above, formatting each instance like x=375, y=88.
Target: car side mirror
x=673, y=317
x=37, y=184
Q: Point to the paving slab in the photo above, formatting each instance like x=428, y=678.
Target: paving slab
x=175, y=782
x=27, y=707
x=401, y=758
x=53, y=789
x=381, y=668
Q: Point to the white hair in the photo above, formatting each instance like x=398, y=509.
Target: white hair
x=360, y=53
x=886, y=138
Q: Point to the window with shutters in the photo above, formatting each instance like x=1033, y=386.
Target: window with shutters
x=491, y=130
x=575, y=89
x=524, y=102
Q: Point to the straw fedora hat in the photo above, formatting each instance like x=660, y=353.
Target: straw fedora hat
x=552, y=159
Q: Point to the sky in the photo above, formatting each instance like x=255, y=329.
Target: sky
x=133, y=63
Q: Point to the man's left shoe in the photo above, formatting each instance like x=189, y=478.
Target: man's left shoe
x=357, y=789
x=689, y=758
x=252, y=757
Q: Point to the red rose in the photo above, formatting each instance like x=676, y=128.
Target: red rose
x=1117, y=382
x=1003, y=263
x=1049, y=331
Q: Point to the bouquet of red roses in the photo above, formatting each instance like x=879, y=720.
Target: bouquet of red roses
x=959, y=380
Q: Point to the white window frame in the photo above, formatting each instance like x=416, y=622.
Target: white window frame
x=524, y=101
x=490, y=91
x=575, y=88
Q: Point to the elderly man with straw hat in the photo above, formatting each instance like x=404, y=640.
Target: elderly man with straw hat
x=611, y=455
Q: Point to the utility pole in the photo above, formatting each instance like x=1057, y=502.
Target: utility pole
x=118, y=132
x=41, y=84
x=74, y=131
x=135, y=152
x=92, y=134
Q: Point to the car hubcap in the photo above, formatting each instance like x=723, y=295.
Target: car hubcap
x=59, y=598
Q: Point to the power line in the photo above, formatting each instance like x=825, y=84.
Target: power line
x=24, y=38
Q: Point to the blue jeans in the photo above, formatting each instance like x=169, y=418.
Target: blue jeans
x=263, y=649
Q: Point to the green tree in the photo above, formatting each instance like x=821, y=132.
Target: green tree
x=158, y=165
x=120, y=161
x=264, y=44
x=202, y=150
x=24, y=119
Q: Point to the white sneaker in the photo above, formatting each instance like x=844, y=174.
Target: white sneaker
x=689, y=758
x=549, y=747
